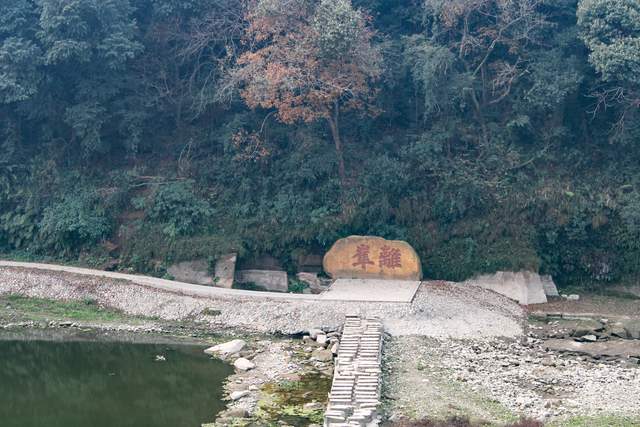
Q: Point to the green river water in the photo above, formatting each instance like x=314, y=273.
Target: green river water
x=107, y=384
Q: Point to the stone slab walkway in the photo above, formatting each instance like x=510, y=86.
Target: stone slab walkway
x=357, y=379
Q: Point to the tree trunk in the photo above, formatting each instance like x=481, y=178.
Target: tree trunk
x=479, y=116
x=335, y=133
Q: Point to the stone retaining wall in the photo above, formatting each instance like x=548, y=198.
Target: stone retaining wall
x=355, y=392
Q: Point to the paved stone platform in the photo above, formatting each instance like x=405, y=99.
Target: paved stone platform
x=372, y=290
x=357, y=379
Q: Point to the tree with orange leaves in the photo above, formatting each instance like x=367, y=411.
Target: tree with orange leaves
x=308, y=60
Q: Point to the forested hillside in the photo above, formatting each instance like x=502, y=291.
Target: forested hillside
x=490, y=134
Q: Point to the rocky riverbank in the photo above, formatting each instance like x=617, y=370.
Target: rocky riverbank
x=284, y=382
x=499, y=380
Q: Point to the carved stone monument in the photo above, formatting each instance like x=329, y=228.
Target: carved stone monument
x=366, y=257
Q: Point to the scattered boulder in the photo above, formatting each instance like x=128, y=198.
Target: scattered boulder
x=225, y=270
x=228, y=348
x=270, y=280
x=524, y=286
x=196, y=272
x=243, y=364
x=321, y=339
x=573, y=297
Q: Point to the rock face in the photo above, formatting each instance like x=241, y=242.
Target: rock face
x=525, y=287
x=196, y=272
x=276, y=281
x=365, y=257
x=225, y=270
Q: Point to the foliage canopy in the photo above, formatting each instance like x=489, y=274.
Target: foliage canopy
x=490, y=134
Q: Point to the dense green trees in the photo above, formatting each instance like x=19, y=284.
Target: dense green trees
x=496, y=134
x=611, y=31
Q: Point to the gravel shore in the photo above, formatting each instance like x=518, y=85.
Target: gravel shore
x=440, y=309
x=496, y=380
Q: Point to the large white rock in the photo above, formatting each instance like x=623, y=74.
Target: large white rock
x=243, y=364
x=524, y=286
x=225, y=349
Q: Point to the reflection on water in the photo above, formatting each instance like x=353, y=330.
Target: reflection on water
x=106, y=384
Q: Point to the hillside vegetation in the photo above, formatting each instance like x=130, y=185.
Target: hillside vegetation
x=489, y=134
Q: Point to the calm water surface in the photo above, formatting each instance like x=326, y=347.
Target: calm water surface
x=106, y=384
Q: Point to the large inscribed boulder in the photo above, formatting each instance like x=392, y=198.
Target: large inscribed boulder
x=365, y=257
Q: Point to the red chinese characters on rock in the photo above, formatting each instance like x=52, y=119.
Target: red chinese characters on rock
x=362, y=257
x=389, y=257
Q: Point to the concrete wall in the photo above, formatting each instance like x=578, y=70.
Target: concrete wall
x=524, y=286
